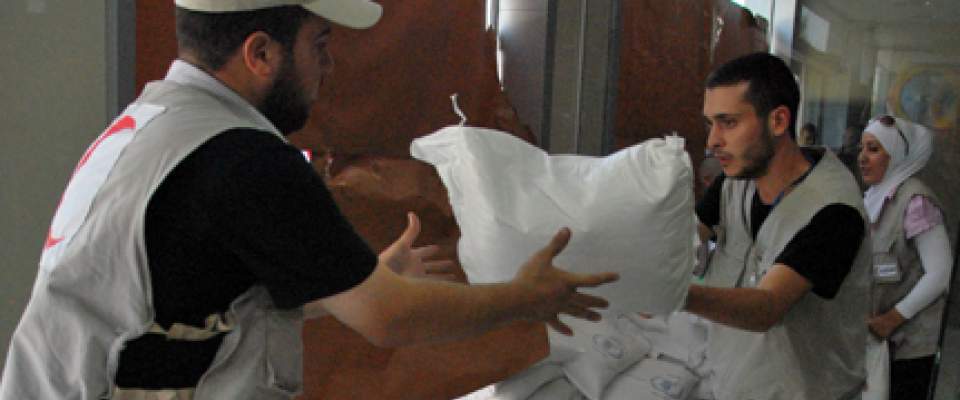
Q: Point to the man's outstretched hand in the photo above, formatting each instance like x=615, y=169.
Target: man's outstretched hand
x=554, y=291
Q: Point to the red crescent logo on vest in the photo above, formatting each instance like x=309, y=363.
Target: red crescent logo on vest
x=122, y=124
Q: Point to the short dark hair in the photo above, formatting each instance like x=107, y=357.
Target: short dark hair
x=214, y=37
x=771, y=83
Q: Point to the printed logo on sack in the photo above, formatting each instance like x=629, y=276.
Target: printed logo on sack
x=668, y=387
x=608, y=346
x=88, y=177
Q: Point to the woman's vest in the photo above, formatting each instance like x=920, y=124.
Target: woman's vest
x=93, y=290
x=817, y=350
x=897, y=269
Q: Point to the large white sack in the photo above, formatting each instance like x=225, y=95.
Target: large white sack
x=523, y=384
x=558, y=389
x=613, y=352
x=878, y=370
x=622, y=340
x=684, y=340
x=652, y=379
x=630, y=212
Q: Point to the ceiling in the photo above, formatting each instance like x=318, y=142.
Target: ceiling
x=894, y=11
x=923, y=25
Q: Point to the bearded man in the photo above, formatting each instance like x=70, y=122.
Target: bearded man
x=788, y=284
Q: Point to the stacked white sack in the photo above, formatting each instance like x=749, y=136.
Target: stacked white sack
x=674, y=367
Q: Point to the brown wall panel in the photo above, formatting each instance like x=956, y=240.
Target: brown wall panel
x=156, y=40
x=392, y=83
x=666, y=54
x=741, y=33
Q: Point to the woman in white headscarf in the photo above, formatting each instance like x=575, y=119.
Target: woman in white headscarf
x=912, y=255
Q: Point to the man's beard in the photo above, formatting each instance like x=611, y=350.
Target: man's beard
x=286, y=105
x=757, y=157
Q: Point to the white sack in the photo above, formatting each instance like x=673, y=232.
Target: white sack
x=683, y=340
x=652, y=379
x=523, y=384
x=703, y=390
x=878, y=370
x=613, y=349
x=558, y=389
x=630, y=212
x=484, y=393
x=671, y=348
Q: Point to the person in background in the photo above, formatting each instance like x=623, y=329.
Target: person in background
x=788, y=284
x=912, y=257
x=193, y=239
x=808, y=135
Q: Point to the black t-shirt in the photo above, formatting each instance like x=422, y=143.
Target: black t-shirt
x=243, y=209
x=823, y=251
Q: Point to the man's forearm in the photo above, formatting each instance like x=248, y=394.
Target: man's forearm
x=754, y=309
x=390, y=310
x=744, y=308
x=439, y=311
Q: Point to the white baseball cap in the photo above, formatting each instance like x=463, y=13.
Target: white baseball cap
x=358, y=14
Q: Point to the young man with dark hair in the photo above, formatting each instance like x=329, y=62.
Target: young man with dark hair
x=192, y=239
x=788, y=285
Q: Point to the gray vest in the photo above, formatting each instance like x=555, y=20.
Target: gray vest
x=918, y=336
x=92, y=292
x=817, y=350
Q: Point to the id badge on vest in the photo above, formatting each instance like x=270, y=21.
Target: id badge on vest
x=886, y=269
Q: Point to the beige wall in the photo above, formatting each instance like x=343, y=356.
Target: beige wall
x=52, y=104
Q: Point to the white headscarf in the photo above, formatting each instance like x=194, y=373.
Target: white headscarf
x=909, y=153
